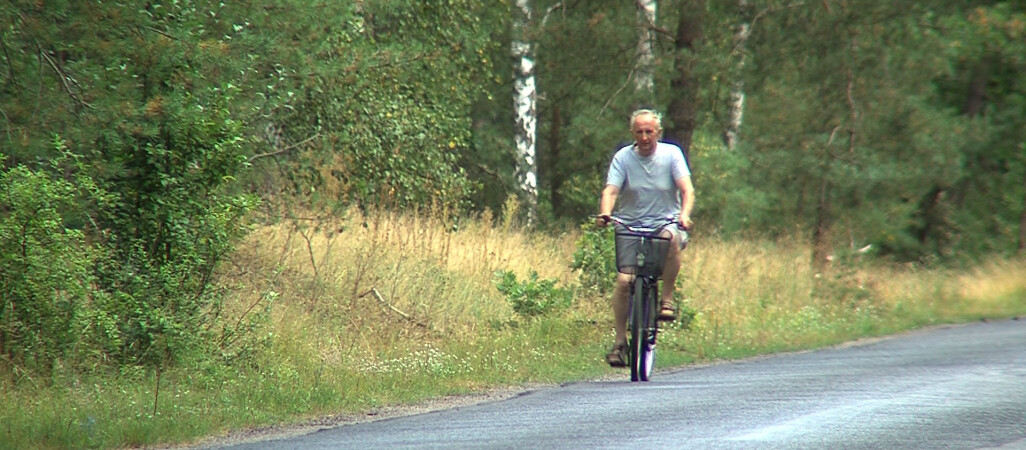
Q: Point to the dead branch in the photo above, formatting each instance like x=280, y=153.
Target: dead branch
x=309, y=248
x=162, y=33
x=630, y=76
x=286, y=149
x=553, y=8
x=64, y=77
x=385, y=303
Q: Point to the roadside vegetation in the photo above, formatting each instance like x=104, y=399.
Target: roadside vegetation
x=365, y=312
x=217, y=215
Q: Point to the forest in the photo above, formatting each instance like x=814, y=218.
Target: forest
x=140, y=140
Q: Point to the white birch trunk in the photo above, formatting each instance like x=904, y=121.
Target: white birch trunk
x=737, y=88
x=645, y=81
x=524, y=107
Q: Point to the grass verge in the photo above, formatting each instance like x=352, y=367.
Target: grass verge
x=369, y=312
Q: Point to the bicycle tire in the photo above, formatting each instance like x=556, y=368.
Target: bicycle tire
x=636, y=325
x=642, y=348
x=648, y=338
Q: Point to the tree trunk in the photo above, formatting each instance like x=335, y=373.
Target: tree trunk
x=681, y=110
x=822, y=237
x=977, y=97
x=822, y=242
x=525, y=108
x=1022, y=216
x=554, y=174
x=645, y=81
x=931, y=214
x=737, y=92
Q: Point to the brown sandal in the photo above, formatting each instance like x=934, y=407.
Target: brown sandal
x=617, y=357
x=668, y=313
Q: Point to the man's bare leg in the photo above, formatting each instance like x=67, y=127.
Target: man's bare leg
x=620, y=307
x=617, y=356
x=670, y=272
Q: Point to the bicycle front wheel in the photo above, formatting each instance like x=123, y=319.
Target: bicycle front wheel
x=642, y=345
x=651, y=328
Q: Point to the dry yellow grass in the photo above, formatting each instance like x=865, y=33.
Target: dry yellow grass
x=389, y=282
x=996, y=280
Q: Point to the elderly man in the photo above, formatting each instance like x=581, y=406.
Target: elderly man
x=652, y=182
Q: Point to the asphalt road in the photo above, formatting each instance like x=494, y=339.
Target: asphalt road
x=958, y=387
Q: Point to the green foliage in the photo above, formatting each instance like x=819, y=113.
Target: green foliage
x=145, y=95
x=171, y=225
x=44, y=269
x=727, y=205
x=830, y=140
x=595, y=258
x=585, y=72
x=980, y=210
x=113, y=297
x=533, y=297
x=379, y=96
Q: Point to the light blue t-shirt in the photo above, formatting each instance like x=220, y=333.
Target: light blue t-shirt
x=648, y=190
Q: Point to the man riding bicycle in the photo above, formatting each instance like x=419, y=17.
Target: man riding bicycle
x=652, y=182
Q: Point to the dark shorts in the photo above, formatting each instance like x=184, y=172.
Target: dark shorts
x=682, y=235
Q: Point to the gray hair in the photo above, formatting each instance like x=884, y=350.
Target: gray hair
x=641, y=112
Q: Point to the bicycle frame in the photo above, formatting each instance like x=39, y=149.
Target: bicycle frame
x=643, y=300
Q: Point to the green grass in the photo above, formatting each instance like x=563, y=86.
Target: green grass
x=400, y=312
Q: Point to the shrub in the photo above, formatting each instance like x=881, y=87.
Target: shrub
x=160, y=221
x=171, y=224
x=595, y=258
x=533, y=297
x=44, y=269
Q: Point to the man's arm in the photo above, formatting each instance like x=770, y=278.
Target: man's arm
x=687, y=195
x=606, y=204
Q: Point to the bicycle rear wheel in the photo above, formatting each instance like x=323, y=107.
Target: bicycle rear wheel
x=642, y=345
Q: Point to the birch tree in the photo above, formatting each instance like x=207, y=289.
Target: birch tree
x=736, y=107
x=645, y=81
x=525, y=107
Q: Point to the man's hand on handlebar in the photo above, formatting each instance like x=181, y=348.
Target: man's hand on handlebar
x=685, y=222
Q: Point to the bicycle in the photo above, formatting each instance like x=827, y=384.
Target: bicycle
x=641, y=251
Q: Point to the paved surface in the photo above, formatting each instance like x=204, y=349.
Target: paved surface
x=959, y=387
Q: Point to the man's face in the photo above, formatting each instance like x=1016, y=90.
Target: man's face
x=646, y=133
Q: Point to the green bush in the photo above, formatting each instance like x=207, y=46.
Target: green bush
x=113, y=253
x=595, y=258
x=171, y=224
x=533, y=297
x=134, y=282
x=45, y=279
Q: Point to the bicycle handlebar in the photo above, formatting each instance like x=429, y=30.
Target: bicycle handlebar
x=636, y=228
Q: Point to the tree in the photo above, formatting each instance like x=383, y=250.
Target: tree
x=840, y=132
x=373, y=104
x=683, y=106
x=982, y=211
x=589, y=64
x=525, y=112
x=138, y=97
x=736, y=108
x=645, y=81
